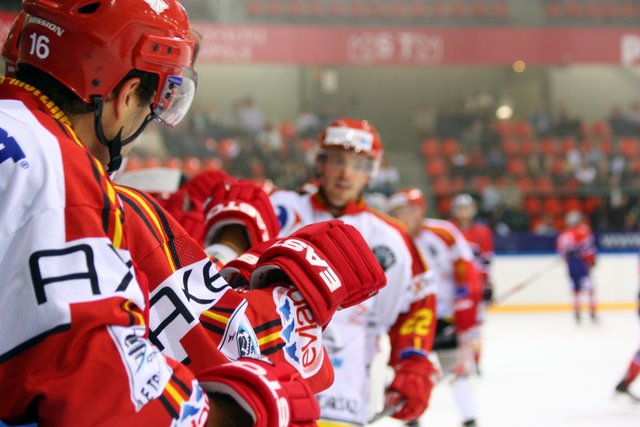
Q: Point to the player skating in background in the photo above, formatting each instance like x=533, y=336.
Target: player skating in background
x=576, y=244
x=458, y=291
x=349, y=156
x=480, y=238
x=633, y=370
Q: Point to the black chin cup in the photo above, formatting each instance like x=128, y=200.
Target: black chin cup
x=114, y=145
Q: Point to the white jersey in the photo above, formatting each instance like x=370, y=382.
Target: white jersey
x=443, y=245
x=351, y=337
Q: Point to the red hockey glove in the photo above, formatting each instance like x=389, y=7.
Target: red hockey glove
x=237, y=272
x=188, y=212
x=413, y=382
x=328, y=262
x=199, y=187
x=464, y=310
x=243, y=203
x=273, y=395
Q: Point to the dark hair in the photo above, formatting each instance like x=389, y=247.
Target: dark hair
x=69, y=102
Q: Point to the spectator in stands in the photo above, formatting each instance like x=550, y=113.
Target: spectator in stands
x=617, y=165
x=565, y=123
x=586, y=173
x=495, y=162
x=386, y=181
x=424, y=121
x=308, y=123
x=269, y=140
x=619, y=123
x=538, y=164
x=634, y=118
x=542, y=121
x=490, y=199
x=544, y=225
x=250, y=117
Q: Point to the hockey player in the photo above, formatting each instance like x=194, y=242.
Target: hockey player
x=576, y=245
x=632, y=372
x=480, y=238
x=349, y=156
x=458, y=291
x=87, y=300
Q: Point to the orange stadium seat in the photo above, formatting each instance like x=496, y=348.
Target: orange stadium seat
x=510, y=146
x=523, y=129
x=606, y=144
x=479, y=9
x=430, y=147
x=212, y=164
x=503, y=127
x=337, y=8
x=134, y=163
x=255, y=7
x=573, y=9
x=418, y=9
x=152, y=162
x=444, y=206
x=629, y=9
x=611, y=9
x=379, y=8
x=458, y=9
x=441, y=185
x=480, y=182
x=527, y=146
x=548, y=146
x=629, y=146
x=567, y=144
x=592, y=9
x=316, y=8
x=552, y=205
x=591, y=204
x=573, y=203
x=516, y=166
x=398, y=8
x=436, y=166
x=296, y=8
x=532, y=205
x=553, y=9
x=276, y=7
x=359, y=8
x=600, y=128
x=437, y=9
x=192, y=166
x=525, y=184
x=543, y=184
x=450, y=146
x=172, y=162
x=500, y=9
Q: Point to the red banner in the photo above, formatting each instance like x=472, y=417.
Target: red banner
x=308, y=45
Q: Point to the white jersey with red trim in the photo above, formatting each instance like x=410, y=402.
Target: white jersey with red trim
x=351, y=337
x=444, y=246
x=73, y=329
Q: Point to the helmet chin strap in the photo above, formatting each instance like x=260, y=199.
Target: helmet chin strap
x=114, y=145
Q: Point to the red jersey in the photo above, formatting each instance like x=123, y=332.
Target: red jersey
x=480, y=239
x=73, y=333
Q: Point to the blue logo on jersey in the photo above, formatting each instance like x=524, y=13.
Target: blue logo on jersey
x=9, y=148
x=282, y=215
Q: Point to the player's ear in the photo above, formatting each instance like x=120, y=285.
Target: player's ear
x=126, y=99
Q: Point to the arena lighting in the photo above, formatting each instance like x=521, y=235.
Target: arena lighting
x=519, y=66
x=504, y=112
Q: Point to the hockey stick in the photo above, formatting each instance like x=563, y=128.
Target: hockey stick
x=387, y=411
x=526, y=282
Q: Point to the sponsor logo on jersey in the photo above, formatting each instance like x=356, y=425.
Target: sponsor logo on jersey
x=300, y=332
x=385, y=256
x=146, y=368
x=195, y=411
x=9, y=148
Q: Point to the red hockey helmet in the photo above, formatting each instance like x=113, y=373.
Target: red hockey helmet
x=10, y=47
x=407, y=197
x=353, y=135
x=90, y=45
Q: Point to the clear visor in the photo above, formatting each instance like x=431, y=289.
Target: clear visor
x=176, y=98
